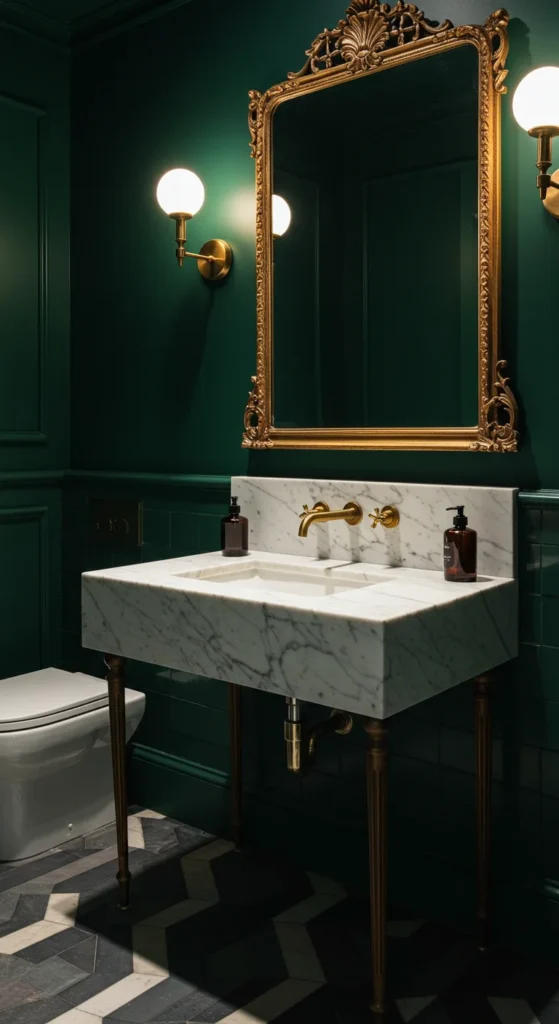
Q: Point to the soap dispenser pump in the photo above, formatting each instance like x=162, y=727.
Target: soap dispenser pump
x=234, y=532
x=460, y=549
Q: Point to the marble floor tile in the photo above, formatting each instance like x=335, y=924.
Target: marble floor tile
x=218, y=937
x=54, y=976
x=82, y=955
x=12, y=968
x=61, y=938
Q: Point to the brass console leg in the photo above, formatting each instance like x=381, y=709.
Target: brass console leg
x=483, y=802
x=236, y=748
x=377, y=776
x=115, y=679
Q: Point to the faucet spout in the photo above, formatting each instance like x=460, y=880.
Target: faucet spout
x=352, y=513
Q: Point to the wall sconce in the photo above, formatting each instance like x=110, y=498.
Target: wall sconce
x=536, y=108
x=281, y=216
x=180, y=193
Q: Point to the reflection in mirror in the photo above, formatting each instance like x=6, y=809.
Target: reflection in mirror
x=376, y=280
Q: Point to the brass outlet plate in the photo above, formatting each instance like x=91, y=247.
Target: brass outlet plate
x=115, y=522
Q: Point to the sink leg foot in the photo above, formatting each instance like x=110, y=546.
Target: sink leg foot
x=236, y=748
x=483, y=745
x=377, y=778
x=117, y=714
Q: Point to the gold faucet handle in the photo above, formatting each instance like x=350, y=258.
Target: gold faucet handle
x=320, y=506
x=388, y=516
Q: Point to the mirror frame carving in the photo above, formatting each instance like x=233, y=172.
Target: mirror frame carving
x=372, y=37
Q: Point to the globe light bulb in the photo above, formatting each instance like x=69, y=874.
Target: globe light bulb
x=180, y=192
x=536, y=100
x=281, y=216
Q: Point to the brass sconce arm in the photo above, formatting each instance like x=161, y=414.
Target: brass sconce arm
x=214, y=258
x=544, y=161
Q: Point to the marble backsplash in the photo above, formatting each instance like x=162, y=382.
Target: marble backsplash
x=273, y=505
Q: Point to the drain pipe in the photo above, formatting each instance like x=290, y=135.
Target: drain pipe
x=301, y=740
x=293, y=734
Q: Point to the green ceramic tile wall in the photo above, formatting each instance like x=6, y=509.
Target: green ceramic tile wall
x=180, y=756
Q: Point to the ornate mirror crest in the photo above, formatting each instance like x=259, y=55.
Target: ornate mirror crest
x=372, y=37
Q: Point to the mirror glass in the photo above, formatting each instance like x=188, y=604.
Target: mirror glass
x=376, y=278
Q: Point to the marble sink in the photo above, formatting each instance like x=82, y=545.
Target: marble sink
x=370, y=639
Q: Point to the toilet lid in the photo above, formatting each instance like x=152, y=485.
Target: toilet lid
x=49, y=695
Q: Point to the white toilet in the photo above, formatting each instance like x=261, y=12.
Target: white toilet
x=55, y=758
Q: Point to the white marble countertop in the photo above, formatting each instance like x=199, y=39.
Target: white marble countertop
x=375, y=650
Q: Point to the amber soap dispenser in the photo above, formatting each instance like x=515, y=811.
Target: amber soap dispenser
x=234, y=532
x=460, y=549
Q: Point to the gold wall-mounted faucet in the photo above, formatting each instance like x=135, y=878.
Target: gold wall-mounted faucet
x=387, y=516
x=352, y=513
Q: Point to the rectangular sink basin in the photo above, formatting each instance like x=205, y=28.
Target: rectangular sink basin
x=366, y=638
x=282, y=579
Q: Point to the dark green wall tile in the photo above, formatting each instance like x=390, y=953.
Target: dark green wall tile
x=550, y=724
x=530, y=524
x=530, y=768
x=550, y=622
x=550, y=526
x=531, y=569
x=550, y=773
x=180, y=795
x=185, y=730
x=156, y=528
x=530, y=619
x=454, y=707
x=147, y=677
x=414, y=738
x=185, y=534
x=550, y=570
x=458, y=751
x=549, y=662
x=529, y=671
x=209, y=528
x=211, y=692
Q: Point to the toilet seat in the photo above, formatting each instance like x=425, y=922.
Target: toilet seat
x=47, y=696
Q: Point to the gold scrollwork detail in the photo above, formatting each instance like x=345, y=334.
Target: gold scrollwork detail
x=369, y=28
x=496, y=28
x=375, y=35
x=256, y=433
x=497, y=431
x=254, y=119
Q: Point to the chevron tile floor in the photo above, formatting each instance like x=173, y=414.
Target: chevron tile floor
x=219, y=937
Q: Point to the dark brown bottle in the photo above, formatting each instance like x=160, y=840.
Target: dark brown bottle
x=460, y=550
x=234, y=532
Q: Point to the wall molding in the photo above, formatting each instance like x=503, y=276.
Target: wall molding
x=540, y=499
x=87, y=476
x=180, y=764
x=38, y=435
x=39, y=514
x=218, y=481
x=110, y=19
x=32, y=478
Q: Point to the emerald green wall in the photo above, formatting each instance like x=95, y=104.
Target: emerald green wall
x=174, y=358
x=34, y=344
x=161, y=370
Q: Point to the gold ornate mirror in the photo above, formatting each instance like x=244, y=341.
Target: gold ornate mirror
x=378, y=267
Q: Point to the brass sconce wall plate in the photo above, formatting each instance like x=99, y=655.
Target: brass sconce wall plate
x=221, y=258
x=374, y=37
x=551, y=201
